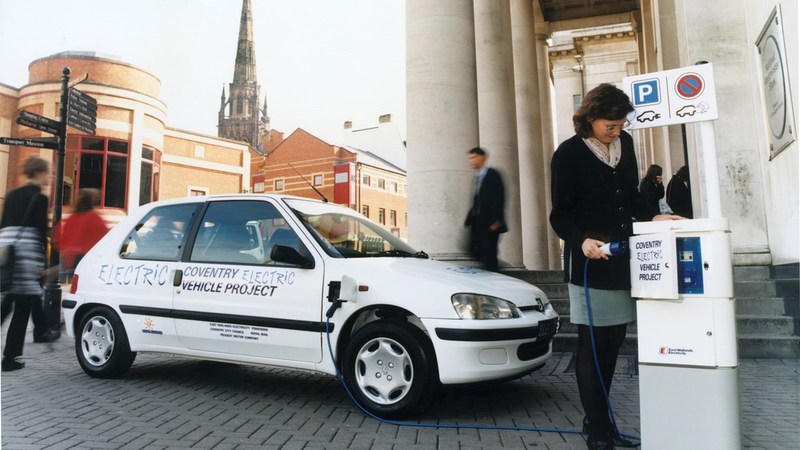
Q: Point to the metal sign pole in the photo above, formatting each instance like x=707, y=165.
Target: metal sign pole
x=710, y=170
x=52, y=292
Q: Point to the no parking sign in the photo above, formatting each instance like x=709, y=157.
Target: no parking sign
x=672, y=96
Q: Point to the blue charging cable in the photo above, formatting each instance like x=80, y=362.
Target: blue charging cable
x=596, y=360
x=481, y=427
x=428, y=425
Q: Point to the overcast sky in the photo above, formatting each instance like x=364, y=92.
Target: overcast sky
x=320, y=62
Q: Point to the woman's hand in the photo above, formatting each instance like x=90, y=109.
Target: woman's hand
x=591, y=249
x=668, y=217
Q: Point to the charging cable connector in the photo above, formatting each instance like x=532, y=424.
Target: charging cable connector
x=614, y=248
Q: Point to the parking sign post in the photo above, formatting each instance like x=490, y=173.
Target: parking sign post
x=682, y=278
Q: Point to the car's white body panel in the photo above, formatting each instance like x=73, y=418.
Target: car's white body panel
x=276, y=315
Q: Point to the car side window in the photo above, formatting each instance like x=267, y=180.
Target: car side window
x=161, y=235
x=240, y=232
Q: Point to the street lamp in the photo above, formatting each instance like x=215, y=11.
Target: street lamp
x=580, y=68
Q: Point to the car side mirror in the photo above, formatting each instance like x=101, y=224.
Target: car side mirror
x=290, y=255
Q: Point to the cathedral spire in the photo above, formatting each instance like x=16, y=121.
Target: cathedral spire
x=245, y=120
x=245, y=68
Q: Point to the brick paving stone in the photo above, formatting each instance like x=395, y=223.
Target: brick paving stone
x=176, y=403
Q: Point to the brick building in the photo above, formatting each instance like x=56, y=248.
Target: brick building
x=359, y=179
x=134, y=157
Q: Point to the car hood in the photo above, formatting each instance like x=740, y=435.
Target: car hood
x=398, y=279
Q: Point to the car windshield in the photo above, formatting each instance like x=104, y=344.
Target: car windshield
x=344, y=233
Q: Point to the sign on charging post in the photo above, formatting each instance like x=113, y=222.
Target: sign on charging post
x=653, y=266
x=672, y=96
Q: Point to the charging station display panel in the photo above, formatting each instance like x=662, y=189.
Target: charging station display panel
x=654, y=266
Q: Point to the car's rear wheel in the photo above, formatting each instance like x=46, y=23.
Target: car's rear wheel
x=390, y=368
x=101, y=344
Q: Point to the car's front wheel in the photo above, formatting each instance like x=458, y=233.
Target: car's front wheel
x=390, y=368
x=102, y=345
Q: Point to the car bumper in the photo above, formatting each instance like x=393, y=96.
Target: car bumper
x=473, y=351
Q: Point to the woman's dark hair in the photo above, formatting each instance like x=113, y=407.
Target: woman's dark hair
x=652, y=172
x=605, y=101
x=683, y=173
x=35, y=165
x=88, y=198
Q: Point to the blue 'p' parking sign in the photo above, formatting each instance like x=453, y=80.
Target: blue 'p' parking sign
x=646, y=92
x=672, y=96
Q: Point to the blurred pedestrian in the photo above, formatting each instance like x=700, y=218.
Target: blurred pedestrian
x=24, y=224
x=679, y=193
x=651, y=192
x=594, y=200
x=77, y=234
x=486, y=217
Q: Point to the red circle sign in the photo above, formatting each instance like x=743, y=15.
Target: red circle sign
x=689, y=86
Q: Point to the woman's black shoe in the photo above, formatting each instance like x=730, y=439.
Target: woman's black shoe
x=601, y=444
x=620, y=441
x=10, y=364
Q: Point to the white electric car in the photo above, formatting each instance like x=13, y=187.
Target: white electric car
x=271, y=280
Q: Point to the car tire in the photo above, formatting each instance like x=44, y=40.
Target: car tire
x=390, y=368
x=101, y=344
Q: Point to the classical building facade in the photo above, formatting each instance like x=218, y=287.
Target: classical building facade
x=482, y=73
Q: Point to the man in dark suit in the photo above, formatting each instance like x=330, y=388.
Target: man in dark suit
x=486, y=217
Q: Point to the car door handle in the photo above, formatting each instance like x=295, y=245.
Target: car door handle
x=176, y=280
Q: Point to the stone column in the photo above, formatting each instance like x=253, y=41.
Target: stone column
x=442, y=122
x=497, y=114
x=548, y=144
x=532, y=181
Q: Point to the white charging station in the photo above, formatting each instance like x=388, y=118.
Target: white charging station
x=682, y=278
x=688, y=361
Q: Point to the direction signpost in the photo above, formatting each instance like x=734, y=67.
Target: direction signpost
x=82, y=111
x=28, y=142
x=38, y=125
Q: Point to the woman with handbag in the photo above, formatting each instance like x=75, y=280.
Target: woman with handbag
x=24, y=225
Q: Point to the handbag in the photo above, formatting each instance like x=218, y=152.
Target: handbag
x=8, y=253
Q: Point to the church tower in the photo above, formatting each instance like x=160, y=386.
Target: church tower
x=240, y=115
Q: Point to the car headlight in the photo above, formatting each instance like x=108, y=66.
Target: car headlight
x=480, y=307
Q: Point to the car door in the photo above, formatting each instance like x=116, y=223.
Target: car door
x=233, y=299
x=140, y=279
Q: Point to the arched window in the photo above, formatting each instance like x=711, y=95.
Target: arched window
x=239, y=105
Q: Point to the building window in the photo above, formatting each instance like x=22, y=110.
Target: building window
x=99, y=163
x=381, y=183
x=393, y=218
x=381, y=216
x=393, y=187
x=365, y=210
x=194, y=191
x=341, y=177
x=149, y=177
x=365, y=180
x=258, y=187
x=279, y=185
x=576, y=102
x=317, y=180
x=239, y=105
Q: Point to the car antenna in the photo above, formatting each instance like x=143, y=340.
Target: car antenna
x=324, y=200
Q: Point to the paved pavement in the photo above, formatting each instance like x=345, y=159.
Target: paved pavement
x=166, y=402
